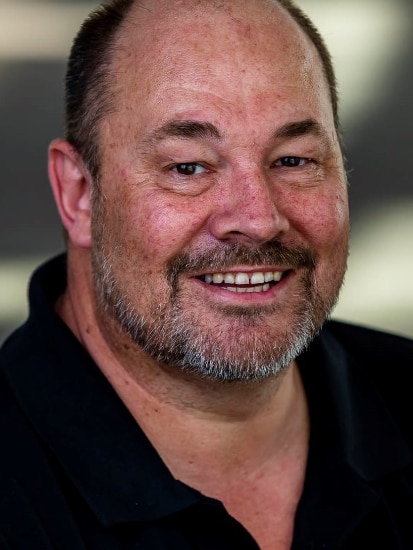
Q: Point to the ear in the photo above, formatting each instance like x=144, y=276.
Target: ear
x=71, y=184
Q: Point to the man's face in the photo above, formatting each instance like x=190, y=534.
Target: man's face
x=221, y=230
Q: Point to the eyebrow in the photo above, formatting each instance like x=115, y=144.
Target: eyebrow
x=185, y=129
x=300, y=128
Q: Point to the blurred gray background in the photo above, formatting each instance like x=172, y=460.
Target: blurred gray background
x=372, y=44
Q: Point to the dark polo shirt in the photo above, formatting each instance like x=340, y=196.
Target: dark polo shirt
x=76, y=471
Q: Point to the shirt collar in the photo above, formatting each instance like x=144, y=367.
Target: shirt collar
x=354, y=444
x=348, y=413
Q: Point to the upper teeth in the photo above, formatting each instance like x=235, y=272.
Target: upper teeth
x=257, y=278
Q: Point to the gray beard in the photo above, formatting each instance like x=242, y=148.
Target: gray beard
x=173, y=339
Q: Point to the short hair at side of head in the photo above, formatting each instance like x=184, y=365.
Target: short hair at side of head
x=89, y=76
x=89, y=79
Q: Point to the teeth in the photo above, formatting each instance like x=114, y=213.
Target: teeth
x=241, y=289
x=218, y=278
x=259, y=279
x=241, y=279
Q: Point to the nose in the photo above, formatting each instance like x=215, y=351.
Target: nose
x=247, y=210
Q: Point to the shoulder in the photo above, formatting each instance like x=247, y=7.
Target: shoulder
x=385, y=359
x=373, y=347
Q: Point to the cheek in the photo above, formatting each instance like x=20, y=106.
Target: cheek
x=162, y=227
x=322, y=217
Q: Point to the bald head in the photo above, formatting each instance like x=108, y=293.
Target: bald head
x=92, y=76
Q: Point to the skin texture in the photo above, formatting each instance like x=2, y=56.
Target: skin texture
x=252, y=87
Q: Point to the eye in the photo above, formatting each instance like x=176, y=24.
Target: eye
x=292, y=162
x=188, y=169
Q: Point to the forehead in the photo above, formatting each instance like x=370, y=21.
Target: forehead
x=230, y=51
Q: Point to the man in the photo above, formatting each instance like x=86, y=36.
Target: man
x=164, y=392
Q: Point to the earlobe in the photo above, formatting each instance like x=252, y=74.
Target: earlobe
x=71, y=184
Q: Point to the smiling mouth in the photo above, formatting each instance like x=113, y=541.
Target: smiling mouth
x=259, y=281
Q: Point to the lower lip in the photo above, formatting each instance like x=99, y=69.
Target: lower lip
x=245, y=298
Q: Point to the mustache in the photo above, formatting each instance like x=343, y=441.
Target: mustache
x=223, y=256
